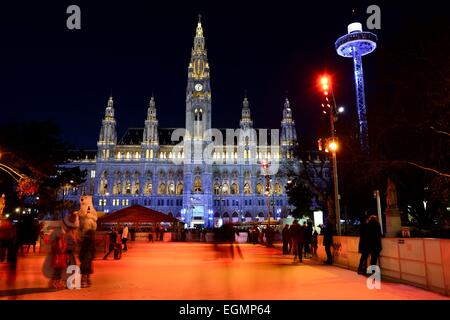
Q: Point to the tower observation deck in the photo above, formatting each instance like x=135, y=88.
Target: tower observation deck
x=355, y=44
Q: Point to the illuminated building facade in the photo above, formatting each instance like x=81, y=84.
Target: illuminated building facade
x=154, y=167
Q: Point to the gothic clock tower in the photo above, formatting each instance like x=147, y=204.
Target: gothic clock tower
x=197, y=200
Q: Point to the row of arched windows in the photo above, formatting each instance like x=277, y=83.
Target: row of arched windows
x=132, y=184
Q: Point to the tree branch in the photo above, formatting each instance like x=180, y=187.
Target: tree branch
x=430, y=169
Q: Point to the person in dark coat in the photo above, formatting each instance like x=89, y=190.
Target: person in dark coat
x=298, y=237
x=112, y=242
x=308, y=234
x=255, y=235
x=87, y=255
x=270, y=234
x=157, y=230
x=328, y=240
x=314, y=239
x=285, y=239
x=373, y=239
x=362, y=247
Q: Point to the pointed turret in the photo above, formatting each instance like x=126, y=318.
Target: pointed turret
x=108, y=136
x=151, y=125
x=246, y=120
x=150, y=139
x=288, y=132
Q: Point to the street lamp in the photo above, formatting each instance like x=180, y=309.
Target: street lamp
x=333, y=146
x=265, y=168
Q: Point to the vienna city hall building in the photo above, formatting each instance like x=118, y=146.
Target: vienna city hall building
x=197, y=174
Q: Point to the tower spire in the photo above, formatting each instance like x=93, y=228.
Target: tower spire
x=246, y=120
x=199, y=30
x=108, y=137
x=288, y=131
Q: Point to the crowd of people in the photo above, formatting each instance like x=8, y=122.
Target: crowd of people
x=300, y=240
x=64, y=241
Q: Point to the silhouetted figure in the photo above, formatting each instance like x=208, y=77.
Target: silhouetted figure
x=58, y=258
x=297, y=236
x=255, y=234
x=373, y=239
x=112, y=243
x=161, y=233
x=328, y=240
x=125, y=238
x=157, y=230
x=270, y=234
x=314, y=243
x=285, y=239
x=362, y=247
x=87, y=255
x=308, y=234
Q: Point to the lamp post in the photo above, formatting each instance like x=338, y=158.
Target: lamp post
x=265, y=169
x=333, y=145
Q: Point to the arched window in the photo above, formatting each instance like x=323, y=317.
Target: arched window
x=162, y=188
x=259, y=188
x=234, y=188
x=179, y=188
x=247, y=189
x=137, y=187
x=128, y=187
x=148, y=188
x=171, y=188
x=198, y=184
x=216, y=188
x=225, y=189
x=104, y=183
x=118, y=187
x=278, y=189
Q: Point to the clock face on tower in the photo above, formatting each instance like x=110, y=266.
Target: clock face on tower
x=198, y=87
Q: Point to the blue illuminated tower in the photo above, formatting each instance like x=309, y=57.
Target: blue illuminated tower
x=355, y=44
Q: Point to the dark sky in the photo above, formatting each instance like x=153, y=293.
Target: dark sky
x=136, y=47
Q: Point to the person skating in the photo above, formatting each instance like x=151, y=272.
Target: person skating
x=87, y=255
x=328, y=240
x=58, y=259
x=308, y=234
x=285, y=239
x=297, y=236
x=373, y=240
x=125, y=238
x=314, y=242
x=362, y=247
x=112, y=242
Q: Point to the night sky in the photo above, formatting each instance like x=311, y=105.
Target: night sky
x=136, y=48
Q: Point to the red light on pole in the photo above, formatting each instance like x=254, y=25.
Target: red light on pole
x=325, y=84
